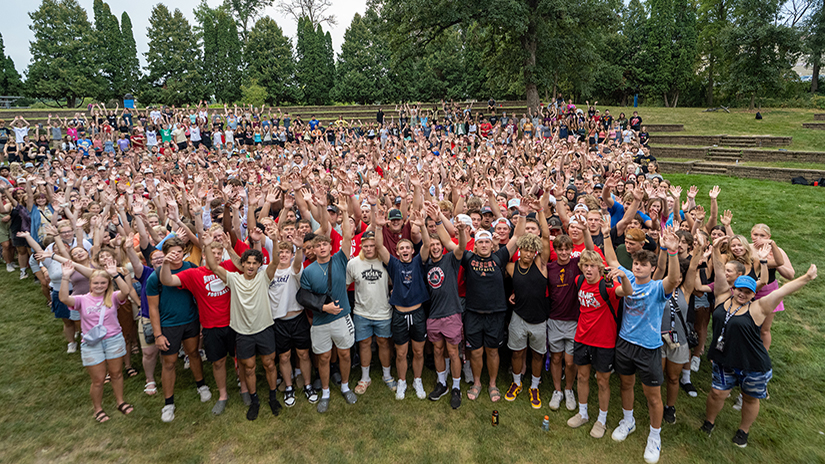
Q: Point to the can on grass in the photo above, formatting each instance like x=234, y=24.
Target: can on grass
x=495, y=418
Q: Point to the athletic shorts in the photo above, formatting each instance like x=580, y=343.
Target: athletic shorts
x=448, y=328
x=182, y=146
x=366, y=328
x=521, y=333
x=631, y=358
x=292, y=333
x=340, y=332
x=218, y=342
x=560, y=335
x=262, y=343
x=484, y=330
x=61, y=311
x=408, y=326
x=600, y=358
x=752, y=383
x=108, y=348
x=678, y=355
x=176, y=335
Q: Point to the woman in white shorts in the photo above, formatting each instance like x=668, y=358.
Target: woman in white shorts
x=97, y=309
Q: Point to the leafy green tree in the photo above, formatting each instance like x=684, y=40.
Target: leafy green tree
x=670, y=50
x=63, y=62
x=245, y=12
x=269, y=57
x=222, y=53
x=108, y=51
x=130, y=65
x=714, y=17
x=315, y=67
x=10, y=82
x=253, y=93
x=173, y=59
x=360, y=72
x=815, y=43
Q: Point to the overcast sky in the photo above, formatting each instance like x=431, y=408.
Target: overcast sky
x=17, y=35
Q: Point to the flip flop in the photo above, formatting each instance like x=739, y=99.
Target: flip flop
x=130, y=372
x=495, y=394
x=107, y=379
x=150, y=388
x=125, y=408
x=101, y=416
x=473, y=392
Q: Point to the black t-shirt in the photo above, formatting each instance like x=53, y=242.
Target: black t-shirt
x=636, y=123
x=484, y=279
x=442, y=283
x=643, y=161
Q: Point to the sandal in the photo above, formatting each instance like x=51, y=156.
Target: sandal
x=135, y=349
x=107, y=379
x=495, y=394
x=130, y=372
x=125, y=408
x=101, y=416
x=150, y=388
x=473, y=392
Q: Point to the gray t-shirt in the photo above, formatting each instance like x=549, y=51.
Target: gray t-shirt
x=371, y=281
x=442, y=283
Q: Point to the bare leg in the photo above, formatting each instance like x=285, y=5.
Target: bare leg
x=750, y=409
x=438, y=354
x=306, y=366
x=535, y=365
x=150, y=360
x=365, y=351
x=168, y=375
x=68, y=330
x=603, y=379
x=570, y=371
x=492, y=365
x=517, y=361
x=115, y=367
x=418, y=358
x=672, y=372
x=701, y=325
x=345, y=363
x=97, y=373
x=628, y=382
x=555, y=370
x=271, y=371
x=401, y=361
x=219, y=372
x=323, y=368
x=455, y=361
x=190, y=347
x=248, y=369
x=654, y=405
x=584, y=384
x=384, y=351
x=476, y=364
x=285, y=364
x=716, y=399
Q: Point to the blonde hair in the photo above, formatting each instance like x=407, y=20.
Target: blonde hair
x=590, y=257
x=361, y=251
x=746, y=258
x=107, y=296
x=764, y=227
x=530, y=242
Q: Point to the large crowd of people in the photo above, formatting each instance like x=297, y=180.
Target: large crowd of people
x=465, y=235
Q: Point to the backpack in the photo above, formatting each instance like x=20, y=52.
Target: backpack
x=616, y=312
x=799, y=180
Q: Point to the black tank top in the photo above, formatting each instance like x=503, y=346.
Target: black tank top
x=530, y=288
x=743, y=343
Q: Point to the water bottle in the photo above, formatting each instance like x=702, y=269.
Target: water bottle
x=545, y=424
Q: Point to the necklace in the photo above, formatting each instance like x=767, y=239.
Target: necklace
x=518, y=266
x=325, y=269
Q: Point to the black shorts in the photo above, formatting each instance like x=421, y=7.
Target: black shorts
x=485, y=330
x=176, y=335
x=262, y=343
x=182, y=145
x=630, y=358
x=292, y=334
x=218, y=342
x=408, y=326
x=600, y=358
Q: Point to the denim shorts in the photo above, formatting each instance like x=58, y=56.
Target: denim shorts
x=752, y=383
x=108, y=348
x=366, y=328
x=61, y=311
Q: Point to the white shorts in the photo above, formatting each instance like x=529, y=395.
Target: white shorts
x=521, y=333
x=340, y=332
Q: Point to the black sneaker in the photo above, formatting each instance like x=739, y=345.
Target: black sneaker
x=311, y=394
x=689, y=389
x=455, y=398
x=335, y=374
x=669, y=414
x=707, y=427
x=252, y=412
x=439, y=391
x=275, y=406
x=289, y=397
x=741, y=438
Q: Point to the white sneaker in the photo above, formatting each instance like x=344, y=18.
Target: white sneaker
x=203, y=356
x=570, y=400
x=418, y=386
x=23, y=274
x=72, y=348
x=694, y=363
x=623, y=430
x=555, y=400
x=400, y=390
x=652, y=450
x=9, y=267
x=738, y=405
x=167, y=414
x=206, y=395
x=186, y=362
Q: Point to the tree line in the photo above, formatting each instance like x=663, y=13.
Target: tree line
x=667, y=52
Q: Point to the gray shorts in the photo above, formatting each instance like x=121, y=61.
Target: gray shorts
x=679, y=355
x=521, y=333
x=560, y=335
x=341, y=332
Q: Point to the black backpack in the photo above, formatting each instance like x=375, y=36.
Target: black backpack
x=616, y=312
x=799, y=180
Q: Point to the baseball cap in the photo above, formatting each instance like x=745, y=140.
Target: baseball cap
x=397, y=200
x=635, y=234
x=501, y=221
x=484, y=235
x=554, y=223
x=101, y=168
x=333, y=209
x=745, y=282
x=598, y=187
x=486, y=210
x=367, y=234
x=148, y=171
x=21, y=180
x=395, y=214
x=514, y=203
x=581, y=207
x=28, y=165
x=465, y=219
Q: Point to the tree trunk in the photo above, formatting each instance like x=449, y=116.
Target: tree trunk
x=530, y=43
x=667, y=105
x=815, y=77
x=753, y=101
x=675, y=99
x=709, y=91
x=70, y=102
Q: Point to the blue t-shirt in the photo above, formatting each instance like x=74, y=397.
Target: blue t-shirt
x=670, y=218
x=84, y=145
x=316, y=280
x=408, y=288
x=642, y=319
x=176, y=306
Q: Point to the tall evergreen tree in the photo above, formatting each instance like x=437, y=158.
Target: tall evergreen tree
x=108, y=50
x=130, y=64
x=173, y=59
x=270, y=61
x=670, y=50
x=315, y=66
x=222, y=53
x=10, y=82
x=63, y=62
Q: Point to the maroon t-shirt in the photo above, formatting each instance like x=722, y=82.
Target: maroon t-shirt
x=564, y=303
x=391, y=239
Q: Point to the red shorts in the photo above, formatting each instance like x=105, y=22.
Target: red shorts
x=449, y=328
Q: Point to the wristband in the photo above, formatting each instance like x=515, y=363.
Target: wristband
x=672, y=254
x=119, y=275
x=438, y=223
x=663, y=248
x=763, y=261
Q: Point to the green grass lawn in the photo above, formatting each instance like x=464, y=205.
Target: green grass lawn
x=46, y=414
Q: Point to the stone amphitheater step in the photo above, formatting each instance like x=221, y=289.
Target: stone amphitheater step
x=723, y=158
x=819, y=116
x=705, y=168
x=813, y=125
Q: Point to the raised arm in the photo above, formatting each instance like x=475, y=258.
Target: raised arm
x=769, y=302
x=210, y=258
x=671, y=242
x=609, y=252
x=380, y=221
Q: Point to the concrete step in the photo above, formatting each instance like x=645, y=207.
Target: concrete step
x=814, y=125
x=705, y=168
x=819, y=116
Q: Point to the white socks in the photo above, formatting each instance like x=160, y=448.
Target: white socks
x=442, y=377
x=602, y=417
x=685, y=375
x=516, y=378
x=344, y=387
x=447, y=362
x=628, y=417
x=583, y=411
x=654, y=433
x=386, y=370
x=457, y=383
x=534, y=382
x=324, y=393
x=365, y=374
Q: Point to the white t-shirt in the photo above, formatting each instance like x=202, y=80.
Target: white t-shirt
x=282, y=290
x=249, y=307
x=195, y=133
x=371, y=280
x=155, y=116
x=19, y=133
x=151, y=138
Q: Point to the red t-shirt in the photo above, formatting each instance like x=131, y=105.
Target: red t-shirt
x=210, y=292
x=597, y=326
x=577, y=252
x=462, y=289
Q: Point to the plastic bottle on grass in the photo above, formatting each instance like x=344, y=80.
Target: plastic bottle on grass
x=545, y=424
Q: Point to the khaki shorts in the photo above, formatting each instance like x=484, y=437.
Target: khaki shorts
x=340, y=332
x=521, y=333
x=144, y=321
x=679, y=355
x=4, y=231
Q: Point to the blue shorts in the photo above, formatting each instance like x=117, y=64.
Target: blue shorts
x=752, y=383
x=61, y=311
x=366, y=328
x=108, y=348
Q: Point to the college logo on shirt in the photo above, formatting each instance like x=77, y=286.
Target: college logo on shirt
x=435, y=277
x=483, y=267
x=214, y=286
x=372, y=274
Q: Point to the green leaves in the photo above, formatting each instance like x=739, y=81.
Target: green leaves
x=270, y=62
x=173, y=59
x=315, y=67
